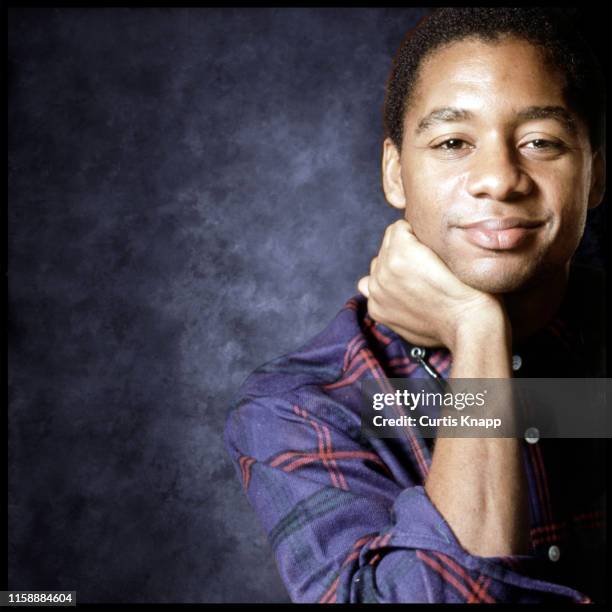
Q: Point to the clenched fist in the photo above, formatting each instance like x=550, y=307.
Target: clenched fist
x=412, y=291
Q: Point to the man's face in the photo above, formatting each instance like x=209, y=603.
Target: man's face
x=504, y=159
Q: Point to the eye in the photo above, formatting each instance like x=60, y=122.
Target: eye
x=541, y=148
x=543, y=144
x=451, y=142
x=452, y=148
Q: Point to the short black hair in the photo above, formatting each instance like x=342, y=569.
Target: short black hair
x=550, y=29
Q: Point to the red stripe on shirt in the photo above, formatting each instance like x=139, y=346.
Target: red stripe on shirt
x=479, y=589
x=450, y=579
x=330, y=594
x=324, y=438
x=301, y=458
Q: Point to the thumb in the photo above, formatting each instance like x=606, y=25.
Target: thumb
x=362, y=285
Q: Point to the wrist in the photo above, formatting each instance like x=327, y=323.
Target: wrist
x=488, y=326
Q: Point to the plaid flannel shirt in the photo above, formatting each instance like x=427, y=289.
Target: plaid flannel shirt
x=348, y=517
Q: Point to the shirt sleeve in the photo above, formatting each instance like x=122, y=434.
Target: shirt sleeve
x=343, y=529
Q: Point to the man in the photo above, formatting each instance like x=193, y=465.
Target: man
x=494, y=152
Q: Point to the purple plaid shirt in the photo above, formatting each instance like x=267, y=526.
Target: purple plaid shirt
x=348, y=517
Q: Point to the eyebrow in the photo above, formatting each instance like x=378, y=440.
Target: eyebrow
x=448, y=114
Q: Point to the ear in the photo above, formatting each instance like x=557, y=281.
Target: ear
x=598, y=178
x=391, y=175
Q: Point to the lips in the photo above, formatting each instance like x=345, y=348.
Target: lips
x=500, y=233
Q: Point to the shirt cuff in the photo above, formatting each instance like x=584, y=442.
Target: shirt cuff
x=419, y=525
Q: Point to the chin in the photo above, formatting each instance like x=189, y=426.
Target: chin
x=494, y=275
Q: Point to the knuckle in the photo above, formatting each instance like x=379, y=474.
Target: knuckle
x=396, y=227
x=386, y=237
x=374, y=287
x=421, y=255
x=395, y=263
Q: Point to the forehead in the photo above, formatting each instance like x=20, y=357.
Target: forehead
x=486, y=77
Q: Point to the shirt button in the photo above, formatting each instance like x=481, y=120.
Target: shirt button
x=554, y=553
x=517, y=362
x=532, y=435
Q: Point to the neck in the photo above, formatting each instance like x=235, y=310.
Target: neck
x=533, y=307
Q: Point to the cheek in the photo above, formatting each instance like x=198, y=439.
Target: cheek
x=428, y=198
x=569, y=206
x=572, y=221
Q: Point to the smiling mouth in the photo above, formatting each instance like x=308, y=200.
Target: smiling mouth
x=500, y=233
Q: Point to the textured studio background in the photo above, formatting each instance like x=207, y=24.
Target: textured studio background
x=192, y=192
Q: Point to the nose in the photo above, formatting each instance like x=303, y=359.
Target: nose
x=496, y=174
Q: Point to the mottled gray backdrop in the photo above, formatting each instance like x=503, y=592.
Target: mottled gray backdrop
x=192, y=192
